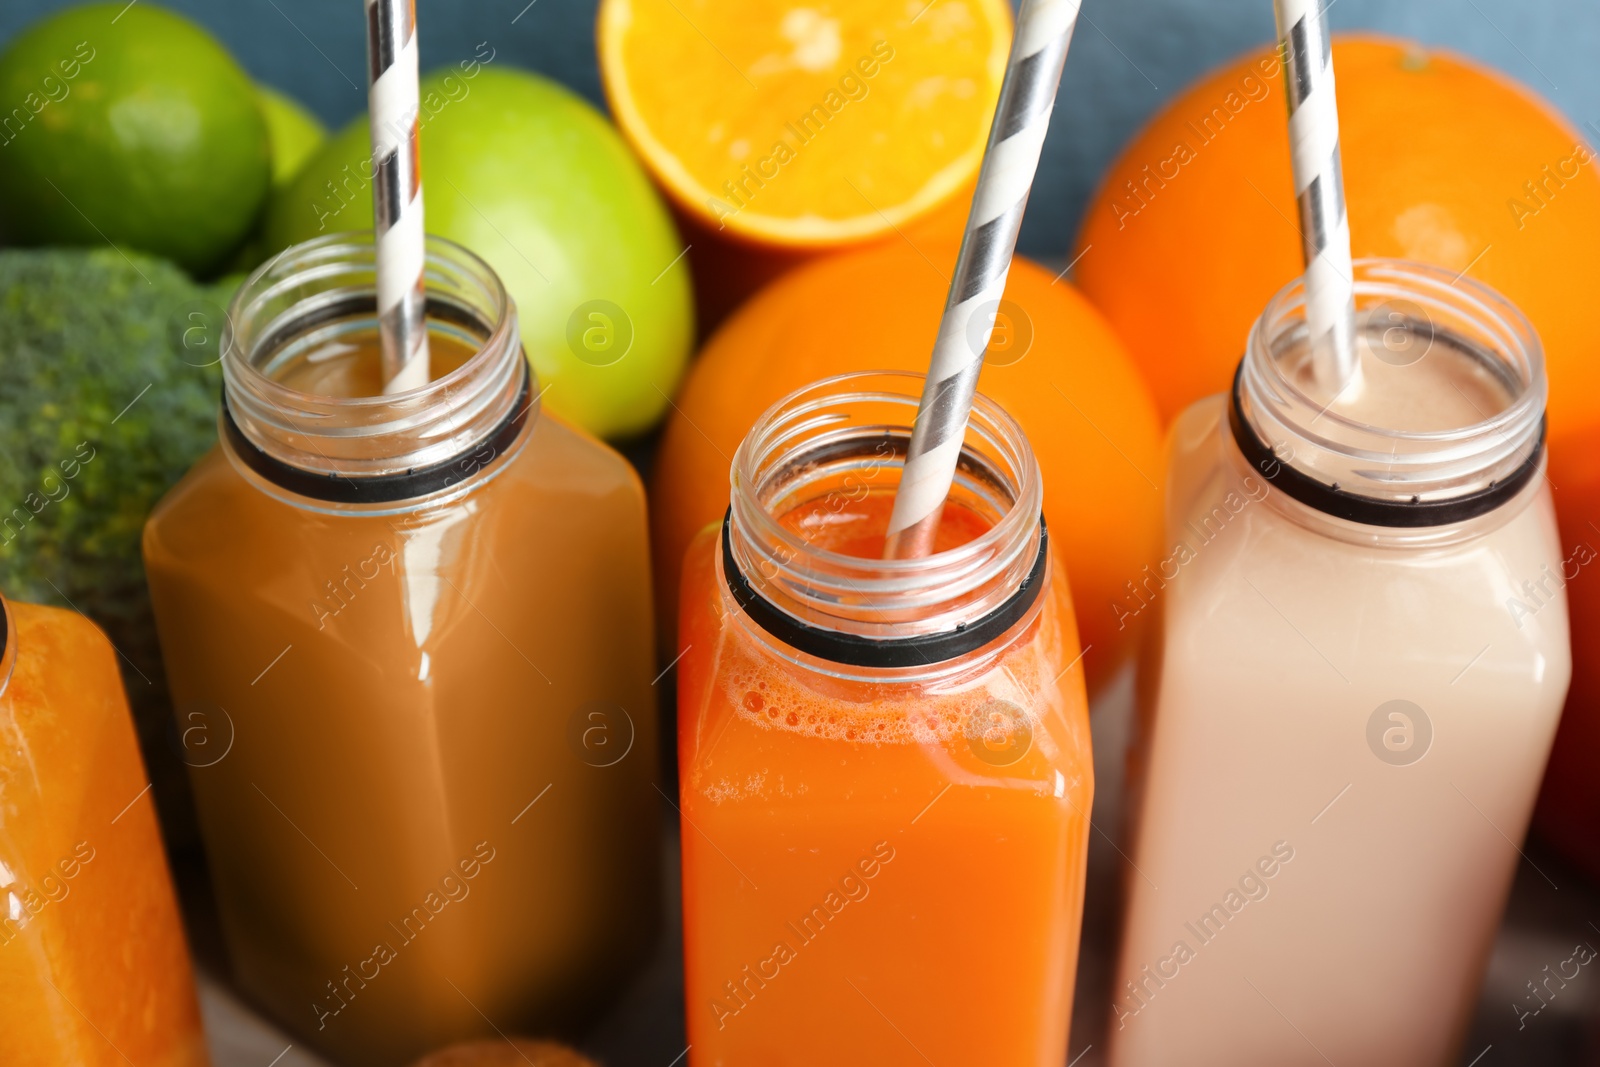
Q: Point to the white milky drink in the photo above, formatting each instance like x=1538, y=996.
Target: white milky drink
x=1351, y=693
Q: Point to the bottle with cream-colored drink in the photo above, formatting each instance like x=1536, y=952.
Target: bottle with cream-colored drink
x=423, y=619
x=1345, y=716
x=886, y=778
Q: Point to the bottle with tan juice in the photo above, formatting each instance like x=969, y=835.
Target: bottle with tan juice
x=1345, y=716
x=424, y=621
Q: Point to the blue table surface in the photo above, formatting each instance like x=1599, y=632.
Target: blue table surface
x=1128, y=57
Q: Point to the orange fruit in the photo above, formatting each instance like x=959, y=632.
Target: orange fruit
x=727, y=273
x=1057, y=367
x=805, y=126
x=1446, y=162
x=1194, y=226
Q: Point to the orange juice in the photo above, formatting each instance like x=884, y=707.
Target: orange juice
x=884, y=818
x=94, y=971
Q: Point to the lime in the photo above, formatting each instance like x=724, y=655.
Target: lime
x=130, y=125
x=538, y=183
x=293, y=132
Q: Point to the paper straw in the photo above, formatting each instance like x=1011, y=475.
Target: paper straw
x=1027, y=97
x=392, y=104
x=1307, y=51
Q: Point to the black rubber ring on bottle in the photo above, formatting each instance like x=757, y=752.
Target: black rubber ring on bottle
x=858, y=651
x=384, y=488
x=1373, y=511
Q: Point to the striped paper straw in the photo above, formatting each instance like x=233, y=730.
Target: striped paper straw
x=392, y=103
x=1033, y=73
x=1307, y=50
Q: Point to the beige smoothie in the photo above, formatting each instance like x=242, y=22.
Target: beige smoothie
x=1344, y=726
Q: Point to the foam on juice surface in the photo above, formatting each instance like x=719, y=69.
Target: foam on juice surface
x=856, y=527
x=865, y=712
x=771, y=700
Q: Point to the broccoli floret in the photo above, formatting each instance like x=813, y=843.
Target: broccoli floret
x=109, y=384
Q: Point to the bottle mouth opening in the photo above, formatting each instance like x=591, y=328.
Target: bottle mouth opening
x=834, y=444
x=312, y=293
x=315, y=303
x=326, y=320
x=1447, y=402
x=1415, y=309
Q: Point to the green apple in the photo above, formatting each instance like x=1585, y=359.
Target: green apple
x=537, y=182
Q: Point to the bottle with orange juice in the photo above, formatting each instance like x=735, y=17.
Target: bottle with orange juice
x=885, y=766
x=94, y=971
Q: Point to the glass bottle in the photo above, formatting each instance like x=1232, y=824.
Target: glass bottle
x=426, y=619
x=94, y=970
x=885, y=766
x=1360, y=664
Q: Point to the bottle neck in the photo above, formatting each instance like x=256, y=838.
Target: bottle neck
x=1442, y=423
x=834, y=452
x=315, y=305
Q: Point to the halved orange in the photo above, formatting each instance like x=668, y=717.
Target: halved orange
x=806, y=125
